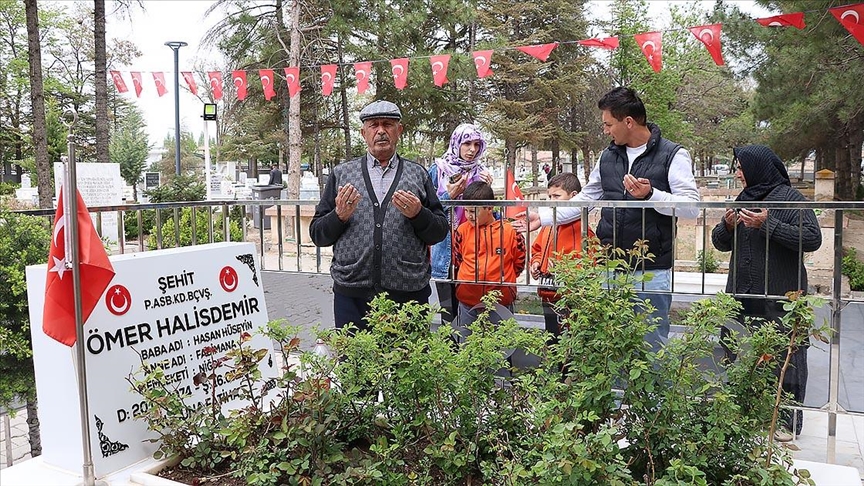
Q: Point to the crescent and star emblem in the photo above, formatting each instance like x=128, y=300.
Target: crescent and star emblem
x=437, y=66
x=228, y=279
x=117, y=300
x=851, y=13
x=400, y=69
x=238, y=81
x=649, y=47
x=775, y=24
x=326, y=77
x=265, y=80
x=480, y=61
x=290, y=78
x=706, y=33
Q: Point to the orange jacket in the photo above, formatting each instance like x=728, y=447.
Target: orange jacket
x=569, y=240
x=491, y=253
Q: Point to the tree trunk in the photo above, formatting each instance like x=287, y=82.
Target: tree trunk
x=295, y=141
x=100, y=82
x=535, y=174
x=33, y=428
x=37, y=101
x=343, y=94
x=586, y=162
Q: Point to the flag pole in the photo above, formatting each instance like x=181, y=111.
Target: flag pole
x=73, y=253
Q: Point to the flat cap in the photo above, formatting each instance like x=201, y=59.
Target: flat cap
x=380, y=109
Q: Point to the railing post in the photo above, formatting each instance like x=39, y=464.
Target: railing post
x=834, y=346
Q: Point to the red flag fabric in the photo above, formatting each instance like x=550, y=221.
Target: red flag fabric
x=267, y=83
x=710, y=36
x=328, y=76
x=512, y=193
x=540, y=51
x=399, y=67
x=292, y=77
x=852, y=18
x=439, y=64
x=361, y=72
x=239, y=78
x=137, y=83
x=215, y=78
x=190, y=81
x=58, y=317
x=786, y=20
x=118, y=82
x=482, y=59
x=651, y=44
x=159, y=81
x=605, y=43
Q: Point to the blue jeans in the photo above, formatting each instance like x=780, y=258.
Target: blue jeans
x=661, y=301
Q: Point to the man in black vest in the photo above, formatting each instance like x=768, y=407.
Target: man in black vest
x=380, y=212
x=639, y=164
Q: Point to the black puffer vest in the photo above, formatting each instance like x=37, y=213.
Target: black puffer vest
x=622, y=227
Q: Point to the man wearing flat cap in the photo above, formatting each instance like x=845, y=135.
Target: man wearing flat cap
x=380, y=212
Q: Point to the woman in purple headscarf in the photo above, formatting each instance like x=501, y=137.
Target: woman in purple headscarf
x=459, y=166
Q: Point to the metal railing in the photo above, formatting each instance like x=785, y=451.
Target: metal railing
x=287, y=247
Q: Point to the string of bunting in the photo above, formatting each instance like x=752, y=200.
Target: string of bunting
x=850, y=17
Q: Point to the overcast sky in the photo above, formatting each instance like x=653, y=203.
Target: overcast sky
x=183, y=20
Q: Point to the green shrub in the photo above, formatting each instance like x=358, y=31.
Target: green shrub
x=130, y=223
x=202, y=230
x=707, y=261
x=853, y=268
x=461, y=414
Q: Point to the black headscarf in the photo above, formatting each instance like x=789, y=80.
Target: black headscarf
x=763, y=171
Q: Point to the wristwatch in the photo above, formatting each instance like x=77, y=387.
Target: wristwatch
x=650, y=193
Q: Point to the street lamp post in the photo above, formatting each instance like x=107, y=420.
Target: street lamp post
x=175, y=46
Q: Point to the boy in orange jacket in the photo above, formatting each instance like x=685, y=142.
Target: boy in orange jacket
x=552, y=243
x=486, y=250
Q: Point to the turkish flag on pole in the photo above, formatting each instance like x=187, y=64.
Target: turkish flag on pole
x=136, y=83
x=159, y=81
x=361, y=72
x=786, y=20
x=190, y=81
x=215, y=78
x=439, y=63
x=482, y=59
x=399, y=67
x=239, y=78
x=58, y=318
x=292, y=77
x=267, y=83
x=609, y=43
x=651, y=44
x=852, y=18
x=328, y=76
x=512, y=193
x=118, y=82
x=540, y=51
x=710, y=36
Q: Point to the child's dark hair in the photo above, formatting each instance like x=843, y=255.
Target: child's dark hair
x=567, y=181
x=478, y=191
x=623, y=102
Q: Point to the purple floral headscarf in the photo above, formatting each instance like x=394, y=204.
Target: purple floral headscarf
x=451, y=164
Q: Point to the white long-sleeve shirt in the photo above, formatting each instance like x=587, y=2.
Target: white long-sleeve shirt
x=681, y=183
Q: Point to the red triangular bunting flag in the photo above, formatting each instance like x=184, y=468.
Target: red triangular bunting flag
x=400, y=72
x=512, y=193
x=482, y=60
x=328, y=75
x=292, y=77
x=118, y=82
x=605, y=43
x=239, y=78
x=215, y=78
x=651, y=44
x=159, y=81
x=786, y=20
x=540, y=51
x=96, y=272
x=852, y=18
x=439, y=68
x=137, y=83
x=266, y=76
x=190, y=81
x=362, y=71
x=710, y=36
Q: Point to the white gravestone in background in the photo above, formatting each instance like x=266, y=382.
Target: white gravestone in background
x=99, y=185
x=167, y=305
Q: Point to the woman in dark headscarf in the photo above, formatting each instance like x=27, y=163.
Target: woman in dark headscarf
x=451, y=174
x=784, y=235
